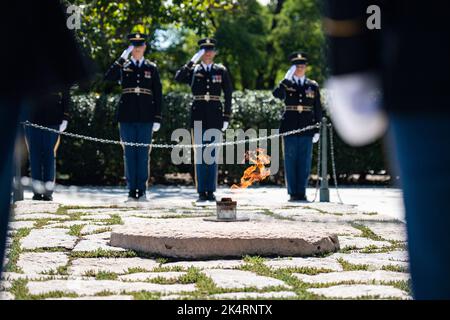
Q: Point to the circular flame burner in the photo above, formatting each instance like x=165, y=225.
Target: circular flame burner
x=226, y=212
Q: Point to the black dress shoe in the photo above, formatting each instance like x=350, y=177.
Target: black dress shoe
x=202, y=197
x=37, y=197
x=211, y=196
x=297, y=197
x=47, y=197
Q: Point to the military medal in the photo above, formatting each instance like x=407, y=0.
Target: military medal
x=147, y=74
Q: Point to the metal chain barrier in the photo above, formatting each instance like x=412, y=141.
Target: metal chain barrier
x=170, y=146
x=333, y=163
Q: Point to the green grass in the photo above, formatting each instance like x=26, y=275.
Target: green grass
x=75, y=230
x=367, y=233
x=270, y=213
x=347, y=266
x=15, y=250
x=100, y=253
x=395, y=268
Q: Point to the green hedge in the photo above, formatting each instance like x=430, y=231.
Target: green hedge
x=83, y=162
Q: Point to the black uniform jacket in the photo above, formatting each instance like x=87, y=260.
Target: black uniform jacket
x=141, y=91
x=294, y=94
x=51, y=109
x=212, y=113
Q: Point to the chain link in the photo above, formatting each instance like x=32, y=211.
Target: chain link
x=170, y=146
x=333, y=164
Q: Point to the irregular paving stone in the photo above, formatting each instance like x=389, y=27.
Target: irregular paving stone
x=360, y=291
x=16, y=225
x=209, y=264
x=96, y=217
x=377, y=276
x=115, y=265
x=6, y=296
x=313, y=263
x=93, y=287
x=231, y=279
x=65, y=224
x=388, y=231
x=97, y=298
x=98, y=236
x=375, y=260
x=94, y=245
x=5, y=285
x=89, y=229
x=22, y=207
x=361, y=243
x=39, y=262
x=37, y=216
x=48, y=238
x=196, y=238
x=255, y=295
x=143, y=276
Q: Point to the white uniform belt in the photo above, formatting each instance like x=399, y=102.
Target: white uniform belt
x=207, y=98
x=137, y=90
x=299, y=108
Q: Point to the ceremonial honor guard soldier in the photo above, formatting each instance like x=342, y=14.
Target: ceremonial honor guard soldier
x=302, y=108
x=139, y=111
x=207, y=81
x=52, y=111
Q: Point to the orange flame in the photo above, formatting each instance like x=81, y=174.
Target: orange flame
x=256, y=172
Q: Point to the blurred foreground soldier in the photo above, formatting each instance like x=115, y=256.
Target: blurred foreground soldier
x=38, y=72
x=52, y=111
x=207, y=80
x=139, y=111
x=363, y=62
x=303, y=108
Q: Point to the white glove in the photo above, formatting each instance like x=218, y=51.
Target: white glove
x=63, y=126
x=198, y=55
x=316, y=137
x=225, y=125
x=156, y=126
x=126, y=52
x=355, y=107
x=290, y=73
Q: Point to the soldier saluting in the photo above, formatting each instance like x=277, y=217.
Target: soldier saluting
x=139, y=110
x=207, y=81
x=302, y=108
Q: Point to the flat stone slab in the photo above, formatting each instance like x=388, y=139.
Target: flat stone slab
x=347, y=242
x=48, y=238
x=39, y=262
x=6, y=296
x=93, y=287
x=360, y=291
x=146, y=276
x=97, y=298
x=359, y=276
x=232, y=279
x=376, y=260
x=325, y=263
x=254, y=295
x=94, y=245
x=114, y=265
x=195, y=238
x=209, y=264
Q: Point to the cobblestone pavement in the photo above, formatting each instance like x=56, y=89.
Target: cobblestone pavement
x=60, y=250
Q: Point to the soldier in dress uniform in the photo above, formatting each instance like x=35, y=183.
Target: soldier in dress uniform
x=52, y=111
x=303, y=108
x=139, y=110
x=207, y=81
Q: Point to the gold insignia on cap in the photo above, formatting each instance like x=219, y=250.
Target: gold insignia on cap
x=299, y=56
x=138, y=35
x=208, y=41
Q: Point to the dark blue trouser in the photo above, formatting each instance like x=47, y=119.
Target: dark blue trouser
x=136, y=158
x=297, y=163
x=422, y=150
x=9, y=115
x=42, y=146
x=205, y=168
